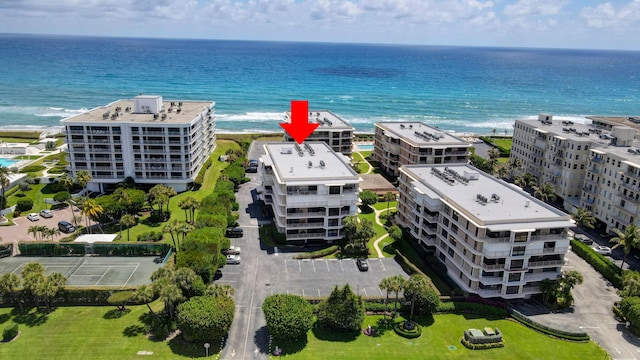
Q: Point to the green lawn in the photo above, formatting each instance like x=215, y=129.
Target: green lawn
x=90, y=332
x=27, y=157
x=363, y=165
x=445, y=331
x=34, y=194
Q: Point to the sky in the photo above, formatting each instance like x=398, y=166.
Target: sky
x=584, y=24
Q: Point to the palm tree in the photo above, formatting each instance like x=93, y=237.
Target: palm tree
x=145, y=294
x=584, y=217
x=388, y=197
x=385, y=284
x=631, y=283
x=526, y=181
x=123, y=200
x=9, y=284
x=183, y=230
x=194, y=204
x=515, y=164
x=67, y=182
x=548, y=287
x=628, y=240
x=169, y=193
x=51, y=232
x=128, y=221
x=90, y=209
x=545, y=192
x=49, y=287
x=219, y=290
x=170, y=294
x=415, y=285
x=172, y=229
x=83, y=178
x=33, y=230
x=184, y=205
x=4, y=183
x=32, y=275
x=396, y=285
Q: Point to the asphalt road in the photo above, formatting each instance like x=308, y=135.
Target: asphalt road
x=265, y=271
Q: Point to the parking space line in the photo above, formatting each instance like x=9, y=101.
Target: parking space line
x=364, y=291
x=319, y=293
x=342, y=267
x=327, y=263
x=299, y=266
x=285, y=266
x=382, y=264
x=313, y=263
x=302, y=292
x=380, y=290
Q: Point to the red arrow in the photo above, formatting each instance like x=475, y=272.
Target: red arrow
x=299, y=128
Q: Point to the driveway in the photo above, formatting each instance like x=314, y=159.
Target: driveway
x=591, y=312
x=265, y=271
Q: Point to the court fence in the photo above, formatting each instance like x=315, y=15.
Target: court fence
x=94, y=249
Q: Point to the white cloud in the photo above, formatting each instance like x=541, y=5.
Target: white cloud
x=535, y=7
x=607, y=15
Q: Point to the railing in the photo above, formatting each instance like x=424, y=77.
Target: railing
x=306, y=214
x=545, y=263
x=306, y=225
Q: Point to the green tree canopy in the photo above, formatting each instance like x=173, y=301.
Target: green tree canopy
x=287, y=316
x=342, y=310
x=368, y=197
x=205, y=318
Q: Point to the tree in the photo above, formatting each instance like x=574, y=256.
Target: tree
x=9, y=284
x=90, y=209
x=396, y=284
x=628, y=240
x=389, y=197
x=145, y=294
x=416, y=287
x=395, y=233
x=48, y=288
x=545, y=192
x=584, y=217
x=385, y=284
x=631, y=283
x=4, y=183
x=66, y=181
x=172, y=229
x=159, y=195
x=127, y=220
x=289, y=317
x=358, y=231
x=83, y=178
x=342, y=310
x=566, y=283
x=205, y=318
x=368, y=197
x=120, y=299
x=549, y=288
x=526, y=181
x=170, y=294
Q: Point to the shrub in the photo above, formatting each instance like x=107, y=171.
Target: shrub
x=492, y=345
x=318, y=253
x=287, y=316
x=9, y=332
x=25, y=204
x=62, y=196
x=413, y=333
x=32, y=169
x=150, y=236
x=602, y=265
x=204, y=318
x=342, y=310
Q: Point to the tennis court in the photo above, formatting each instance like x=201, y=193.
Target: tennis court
x=91, y=270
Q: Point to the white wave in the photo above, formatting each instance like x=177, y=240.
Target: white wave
x=41, y=111
x=251, y=116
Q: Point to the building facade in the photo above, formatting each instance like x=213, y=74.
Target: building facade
x=333, y=130
x=408, y=143
x=494, y=239
x=310, y=188
x=591, y=166
x=147, y=139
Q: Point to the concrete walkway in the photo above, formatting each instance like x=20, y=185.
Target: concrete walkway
x=376, y=243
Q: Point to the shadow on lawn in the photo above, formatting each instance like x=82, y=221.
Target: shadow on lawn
x=325, y=334
x=290, y=347
x=194, y=350
x=115, y=313
x=29, y=316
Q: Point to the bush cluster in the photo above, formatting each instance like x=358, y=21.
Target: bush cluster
x=493, y=345
x=200, y=177
x=9, y=332
x=399, y=329
x=25, y=204
x=150, y=236
x=602, y=265
x=318, y=253
x=32, y=169
x=566, y=335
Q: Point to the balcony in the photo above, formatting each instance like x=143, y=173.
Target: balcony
x=306, y=225
x=550, y=263
x=494, y=267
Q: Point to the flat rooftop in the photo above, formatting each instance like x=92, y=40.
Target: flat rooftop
x=581, y=132
x=188, y=112
x=421, y=134
x=325, y=118
x=321, y=164
x=503, y=206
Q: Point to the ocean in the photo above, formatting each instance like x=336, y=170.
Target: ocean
x=459, y=89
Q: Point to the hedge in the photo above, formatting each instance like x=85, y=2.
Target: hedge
x=200, y=177
x=25, y=204
x=99, y=249
x=600, y=263
x=73, y=296
x=493, y=345
x=472, y=307
x=9, y=332
x=561, y=334
x=319, y=253
x=399, y=329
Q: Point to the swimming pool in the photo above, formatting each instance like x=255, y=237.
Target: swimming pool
x=7, y=162
x=365, y=147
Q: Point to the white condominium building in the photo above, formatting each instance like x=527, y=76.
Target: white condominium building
x=494, y=239
x=595, y=167
x=333, y=130
x=407, y=143
x=311, y=189
x=147, y=139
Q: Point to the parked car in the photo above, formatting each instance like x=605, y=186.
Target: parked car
x=46, y=214
x=33, y=217
x=232, y=250
x=363, y=264
x=583, y=239
x=234, y=232
x=66, y=227
x=233, y=259
x=601, y=249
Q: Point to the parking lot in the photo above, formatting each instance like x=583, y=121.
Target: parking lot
x=20, y=230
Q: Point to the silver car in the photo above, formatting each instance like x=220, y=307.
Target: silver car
x=233, y=259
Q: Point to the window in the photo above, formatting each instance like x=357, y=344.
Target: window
x=334, y=190
x=512, y=290
x=514, y=277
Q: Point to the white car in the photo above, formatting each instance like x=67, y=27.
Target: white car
x=232, y=250
x=46, y=214
x=233, y=259
x=33, y=217
x=604, y=250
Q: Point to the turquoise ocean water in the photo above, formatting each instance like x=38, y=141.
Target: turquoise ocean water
x=462, y=89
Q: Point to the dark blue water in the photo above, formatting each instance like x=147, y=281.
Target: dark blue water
x=457, y=88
